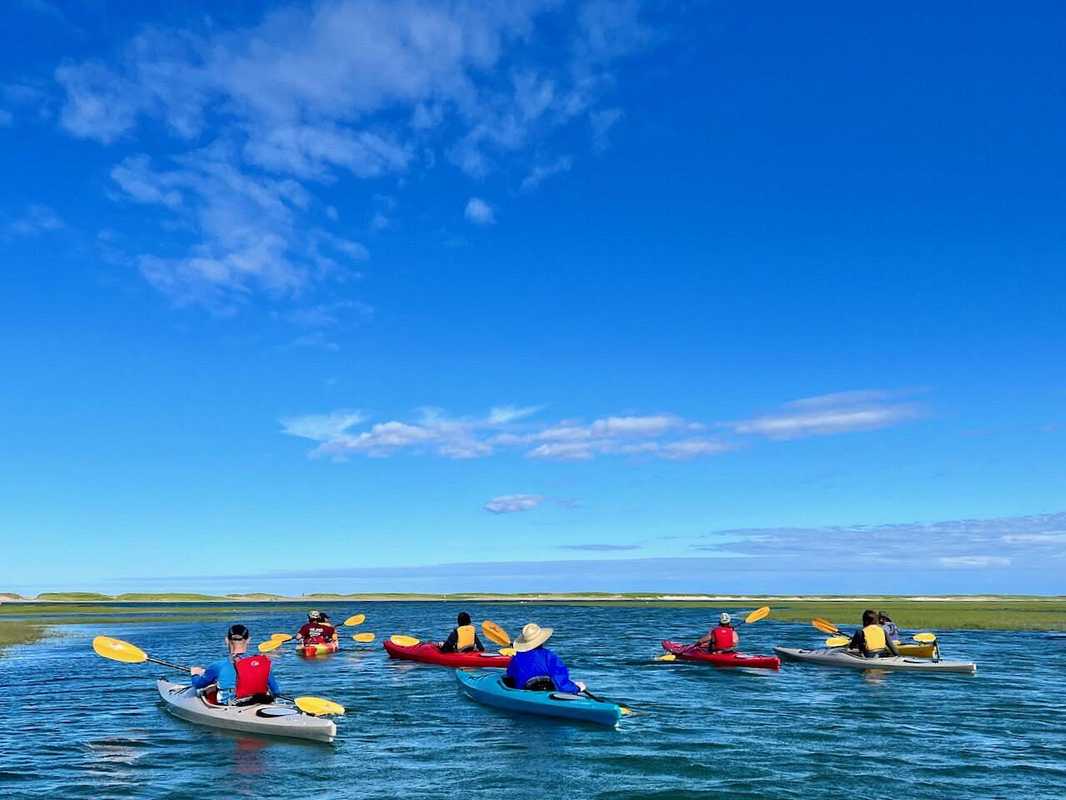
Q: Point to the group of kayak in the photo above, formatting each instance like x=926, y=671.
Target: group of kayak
x=240, y=692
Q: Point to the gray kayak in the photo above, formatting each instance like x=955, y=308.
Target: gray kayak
x=274, y=719
x=837, y=657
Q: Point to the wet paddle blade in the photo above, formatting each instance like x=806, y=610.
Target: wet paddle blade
x=118, y=650
x=281, y=637
x=495, y=633
x=757, y=614
x=364, y=637
x=837, y=641
x=666, y=657
x=925, y=638
x=270, y=645
x=318, y=706
x=358, y=619
x=507, y=651
x=404, y=641
x=824, y=625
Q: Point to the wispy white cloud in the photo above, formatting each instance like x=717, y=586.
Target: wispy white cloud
x=479, y=212
x=541, y=172
x=973, y=562
x=506, y=428
x=36, y=220
x=512, y=503
x=996, y=543
x=841, y=412
x=331, y=90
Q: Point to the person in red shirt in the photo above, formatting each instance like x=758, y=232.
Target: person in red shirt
x=317, y=630
x=721, y=639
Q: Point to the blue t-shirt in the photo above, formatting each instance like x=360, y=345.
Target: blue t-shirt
x=224, y=674
x=537, y=663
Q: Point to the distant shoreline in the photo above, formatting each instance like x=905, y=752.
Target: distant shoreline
x=86, y=598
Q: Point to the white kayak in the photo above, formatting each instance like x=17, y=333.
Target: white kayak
x=836, y=657
x=272, y=719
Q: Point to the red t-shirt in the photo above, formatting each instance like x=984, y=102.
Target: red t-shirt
x=317, y=633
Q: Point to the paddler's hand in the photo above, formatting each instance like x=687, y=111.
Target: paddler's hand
x=580, y=686
x=196, y=670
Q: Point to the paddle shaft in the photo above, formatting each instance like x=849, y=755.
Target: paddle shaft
x=163, y=663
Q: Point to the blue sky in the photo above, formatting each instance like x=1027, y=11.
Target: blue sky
x=300, y=296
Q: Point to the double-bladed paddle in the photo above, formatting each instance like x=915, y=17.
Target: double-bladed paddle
x=118, y=650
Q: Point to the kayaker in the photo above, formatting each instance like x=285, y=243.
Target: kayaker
x=239, y=678
x=723, y=638
x=317, y=630
x=871, y=639
x=535, y=667
x=463, y=638
x=891, y=629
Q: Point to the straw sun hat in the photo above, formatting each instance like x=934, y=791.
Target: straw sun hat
x=533, y=636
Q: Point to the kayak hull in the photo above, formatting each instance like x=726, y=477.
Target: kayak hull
x=427, y=653
x=185, y=702
x=488, y=689
x=838, y=657
x=736, y=660
x=316, y=650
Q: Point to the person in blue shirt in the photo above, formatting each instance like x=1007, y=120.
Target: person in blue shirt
x=535, y=667
x=238, y=677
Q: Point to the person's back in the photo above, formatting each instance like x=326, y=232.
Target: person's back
x=317, y=630
x=534, y=666
x=463, y=638
x=723, y=638
x=238, y=677
x=871, y=639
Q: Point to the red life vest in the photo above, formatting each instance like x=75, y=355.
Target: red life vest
x=724, y=638
x=253, y=676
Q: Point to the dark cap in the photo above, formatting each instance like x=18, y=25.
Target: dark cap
x=238, y=632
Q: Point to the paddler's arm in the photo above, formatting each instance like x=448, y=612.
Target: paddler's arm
x=449, y=644
x=206, y=677
x=891, y=646
x=560, y=675
x=477, y=643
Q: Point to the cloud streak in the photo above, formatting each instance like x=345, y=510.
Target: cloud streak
x=824, y=415
x=503, y=429
x=513, y=503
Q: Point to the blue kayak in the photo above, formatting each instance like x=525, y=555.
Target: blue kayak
x=489, y=689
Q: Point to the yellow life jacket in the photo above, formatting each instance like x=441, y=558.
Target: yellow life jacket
x=465, y=637
x=875, y=638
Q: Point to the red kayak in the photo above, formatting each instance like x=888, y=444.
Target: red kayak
x=429, y=653
x=692, y=653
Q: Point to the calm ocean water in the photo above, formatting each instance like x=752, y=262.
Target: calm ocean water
x=76, y=726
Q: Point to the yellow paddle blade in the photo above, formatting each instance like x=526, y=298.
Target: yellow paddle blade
x=118, y=650
x=837, y=641
x=404, y=641
x=364, y=637
x=824, y=625
x=270, y=645
x=626, y=709
x=507, y=651
x=318, y=706
x=281, y=637
x=757, y=614
x=925, y=638
x=495, y=633
x=358, y=619
x=666, y=657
